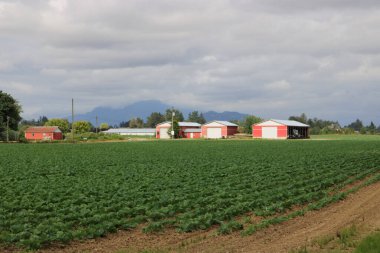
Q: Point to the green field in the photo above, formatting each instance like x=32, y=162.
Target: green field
x=60, y=192
x=347, y=137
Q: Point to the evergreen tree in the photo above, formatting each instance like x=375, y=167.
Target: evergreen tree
x=356, y=125
x=371, y=128
x=123, y=124
x=154, y=119
x=42, y=120
x=302, y=118
x=195, y=116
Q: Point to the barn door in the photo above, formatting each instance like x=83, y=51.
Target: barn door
x=269, y=132
x=214, y=133
x=164, y=133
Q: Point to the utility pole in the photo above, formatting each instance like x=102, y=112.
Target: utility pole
x=72, y=119
x=173, y=114
x=8, y=128
x=96, y=127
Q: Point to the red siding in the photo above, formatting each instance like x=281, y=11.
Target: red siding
x=226, y=130
x=43, y=136
x=157, y=133
x=57, y=136
x=231, y=130
x=181, y=131
x=204, y=131
x=183, y=128
x=282, y=132
x=195, y=135
x=256, y=131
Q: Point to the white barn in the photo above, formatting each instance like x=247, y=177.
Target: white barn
x=132, y=131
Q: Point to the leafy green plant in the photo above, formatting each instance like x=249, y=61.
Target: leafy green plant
x=58, y=193
x=227, y=228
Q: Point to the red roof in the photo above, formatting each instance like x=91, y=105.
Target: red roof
x=42, y=129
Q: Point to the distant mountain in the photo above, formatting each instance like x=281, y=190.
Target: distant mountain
x=143, y=109
x=113, y=117
x=211, y=115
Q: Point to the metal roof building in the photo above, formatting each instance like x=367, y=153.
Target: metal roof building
x=189, y=124
x=163, y=128
x=131, y=131
x=290, y=123
x=43, y=133
x=218, y=129
x=280, y=129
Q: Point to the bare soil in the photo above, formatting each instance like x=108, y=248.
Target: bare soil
x=361, y=208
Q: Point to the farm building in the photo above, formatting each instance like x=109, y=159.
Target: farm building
x=219, y=129
x=43, y=133
x=192, y=133
x=132, y=131
x=190, y=128
x=280, y=129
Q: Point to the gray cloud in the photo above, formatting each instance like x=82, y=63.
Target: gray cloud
x=270, y=58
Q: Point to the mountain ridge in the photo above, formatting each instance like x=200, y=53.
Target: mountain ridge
x=143, y=109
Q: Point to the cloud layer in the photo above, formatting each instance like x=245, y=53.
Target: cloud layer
x=269, y=58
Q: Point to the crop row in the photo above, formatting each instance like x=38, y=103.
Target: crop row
x=57, y=193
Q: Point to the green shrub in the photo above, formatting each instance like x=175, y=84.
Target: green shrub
x=370, y=244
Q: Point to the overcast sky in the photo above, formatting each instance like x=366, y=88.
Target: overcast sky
x=269, y=58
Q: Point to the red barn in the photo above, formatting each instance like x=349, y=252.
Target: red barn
x=193, y=133
x=187, y=130
x=280, y=129
x=219, y=129
x=43, y=133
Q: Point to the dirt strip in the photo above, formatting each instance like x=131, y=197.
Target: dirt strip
x=361, y=208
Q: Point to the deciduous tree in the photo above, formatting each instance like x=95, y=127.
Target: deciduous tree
x=62, y=124
x=10, y=111
x=104, y=126
x=176, y=129
x=178, y=115
x=82, y=126
x=249, y=121
x=136, y=123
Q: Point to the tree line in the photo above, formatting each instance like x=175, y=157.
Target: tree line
x=319, y=126
x=12, y=125
x=156, y=117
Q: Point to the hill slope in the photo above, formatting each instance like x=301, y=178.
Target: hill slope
x=143, y=109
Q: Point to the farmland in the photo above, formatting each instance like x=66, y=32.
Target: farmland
x=58, y=193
